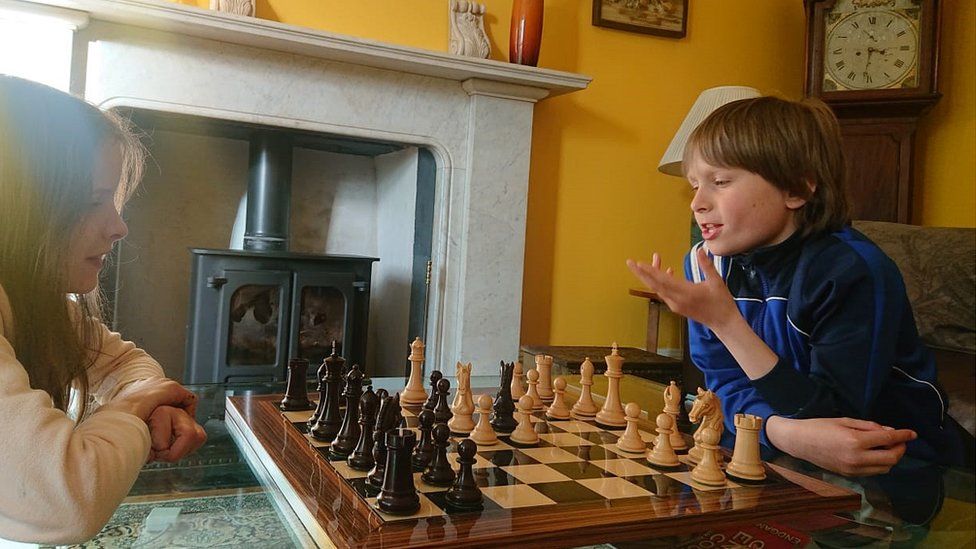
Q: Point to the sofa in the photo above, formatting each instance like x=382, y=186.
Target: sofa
x=939, y=268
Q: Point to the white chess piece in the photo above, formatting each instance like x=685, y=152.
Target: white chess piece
x=517, y=388
x=461, y=421
x=524, y=433
x=533, y=392
x=672, y=407
x=414, y=392
x=585, y=408
x=484, y=433
x=631, y=440
x=708, y=471
x=663, y=454
x=612, y=413
x=558, y=408
x=543, y=365
x=746, y=463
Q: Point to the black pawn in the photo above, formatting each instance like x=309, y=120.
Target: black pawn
x=465, y=492
x=361, y=458
x=398, y=494
x=435, y=376
x=502, y=420
x=320, y=376
x=424, y=451
x=383, y=418
x=439, y=472
x=329, y=422
x=296, y=395
x=442, y=410
x=345, y=441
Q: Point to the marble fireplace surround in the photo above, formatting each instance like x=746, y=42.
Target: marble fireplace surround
x=474, y=115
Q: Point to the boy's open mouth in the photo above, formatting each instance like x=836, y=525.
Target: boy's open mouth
x=710, y=230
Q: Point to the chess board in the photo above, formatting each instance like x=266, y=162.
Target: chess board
x=574, y=487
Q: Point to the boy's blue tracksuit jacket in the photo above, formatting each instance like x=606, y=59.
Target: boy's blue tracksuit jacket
x=833, y=307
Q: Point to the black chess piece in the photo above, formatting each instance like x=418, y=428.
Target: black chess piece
x=439, y=472
x=464, y=493
x=361, y=458
x=435, y=376
x=442, y=410
x=320, y=376
x=424, y=451
x=328, y=424
x=296, y=395
x=503, y=420
x=398, y=494
x=383, y=418
x=345, y=441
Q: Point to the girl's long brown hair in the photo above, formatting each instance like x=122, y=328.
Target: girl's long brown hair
x=49, y=144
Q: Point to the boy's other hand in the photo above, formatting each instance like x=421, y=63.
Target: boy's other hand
x=847, y=446
x=174, y=434
x=708, y=302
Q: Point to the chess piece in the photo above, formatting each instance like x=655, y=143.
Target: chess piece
x=463, y=410
x=672, y=407
x=558, y=409
x=464, y=493
x=533, y=391
x=543, y=365
x=517, y=388
x=296, y=395
x=442, y=411
x=612, y=413
x=585, y=408
x=414, y=392
x=424, y=450
x=361, y=458
x=321, y=388
x=631, y=440
x=662, y=455
x=384, y=417
x=708, y=471
x=398, y=495
x=435, y=376
x=348, y=435
x=502, y=420
x=327, y=426
x=707, y=410
x=439, y=472
x=746, y=463
x=483, y=434
x=524, y=432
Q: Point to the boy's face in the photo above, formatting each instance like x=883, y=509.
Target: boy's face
x=737, y=210
x=100, y=226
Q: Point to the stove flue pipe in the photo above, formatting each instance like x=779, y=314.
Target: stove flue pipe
x=268, y=192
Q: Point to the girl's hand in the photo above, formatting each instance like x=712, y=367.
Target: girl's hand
x=174, y=434
x=850, y=447
x=142, y=397
x=708, y=302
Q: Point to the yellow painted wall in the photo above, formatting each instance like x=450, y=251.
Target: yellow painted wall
x=595, y=196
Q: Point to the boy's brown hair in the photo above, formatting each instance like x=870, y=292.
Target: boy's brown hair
x=793, y=145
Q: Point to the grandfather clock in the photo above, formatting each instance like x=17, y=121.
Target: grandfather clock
x=875, y=63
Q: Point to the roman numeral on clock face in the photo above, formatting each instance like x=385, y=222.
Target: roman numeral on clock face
x=851, y=75
x=899, y=63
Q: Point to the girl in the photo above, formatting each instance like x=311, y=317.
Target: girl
x=65, y=170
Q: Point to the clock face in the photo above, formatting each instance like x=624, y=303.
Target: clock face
x=871, y=48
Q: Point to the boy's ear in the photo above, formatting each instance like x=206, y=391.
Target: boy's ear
x=795, y=202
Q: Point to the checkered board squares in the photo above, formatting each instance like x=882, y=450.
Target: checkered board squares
x=575, y=462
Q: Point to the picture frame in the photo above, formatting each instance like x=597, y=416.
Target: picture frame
x=658, y=17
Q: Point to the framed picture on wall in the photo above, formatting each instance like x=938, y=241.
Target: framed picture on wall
x=660, y=17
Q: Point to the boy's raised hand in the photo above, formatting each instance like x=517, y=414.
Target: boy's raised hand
x=708, y=302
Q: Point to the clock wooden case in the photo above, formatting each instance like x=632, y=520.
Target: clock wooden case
x=875, y=62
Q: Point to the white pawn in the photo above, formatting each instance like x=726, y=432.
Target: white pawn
x=631, y=440
x=524, y=433
x=585, y=408
x=484, y=434
x=533, y=392
x=708, y=471
x=517, y=388
x=663, y=454
x=558, y=408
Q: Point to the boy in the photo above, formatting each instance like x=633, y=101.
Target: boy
x=793, y=315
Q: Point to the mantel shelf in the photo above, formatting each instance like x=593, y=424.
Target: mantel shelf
x=171, y=17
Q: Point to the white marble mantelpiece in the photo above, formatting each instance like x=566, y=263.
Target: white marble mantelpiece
x=474, y=115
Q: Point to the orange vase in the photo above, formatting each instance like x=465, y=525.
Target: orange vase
x=526, y=35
